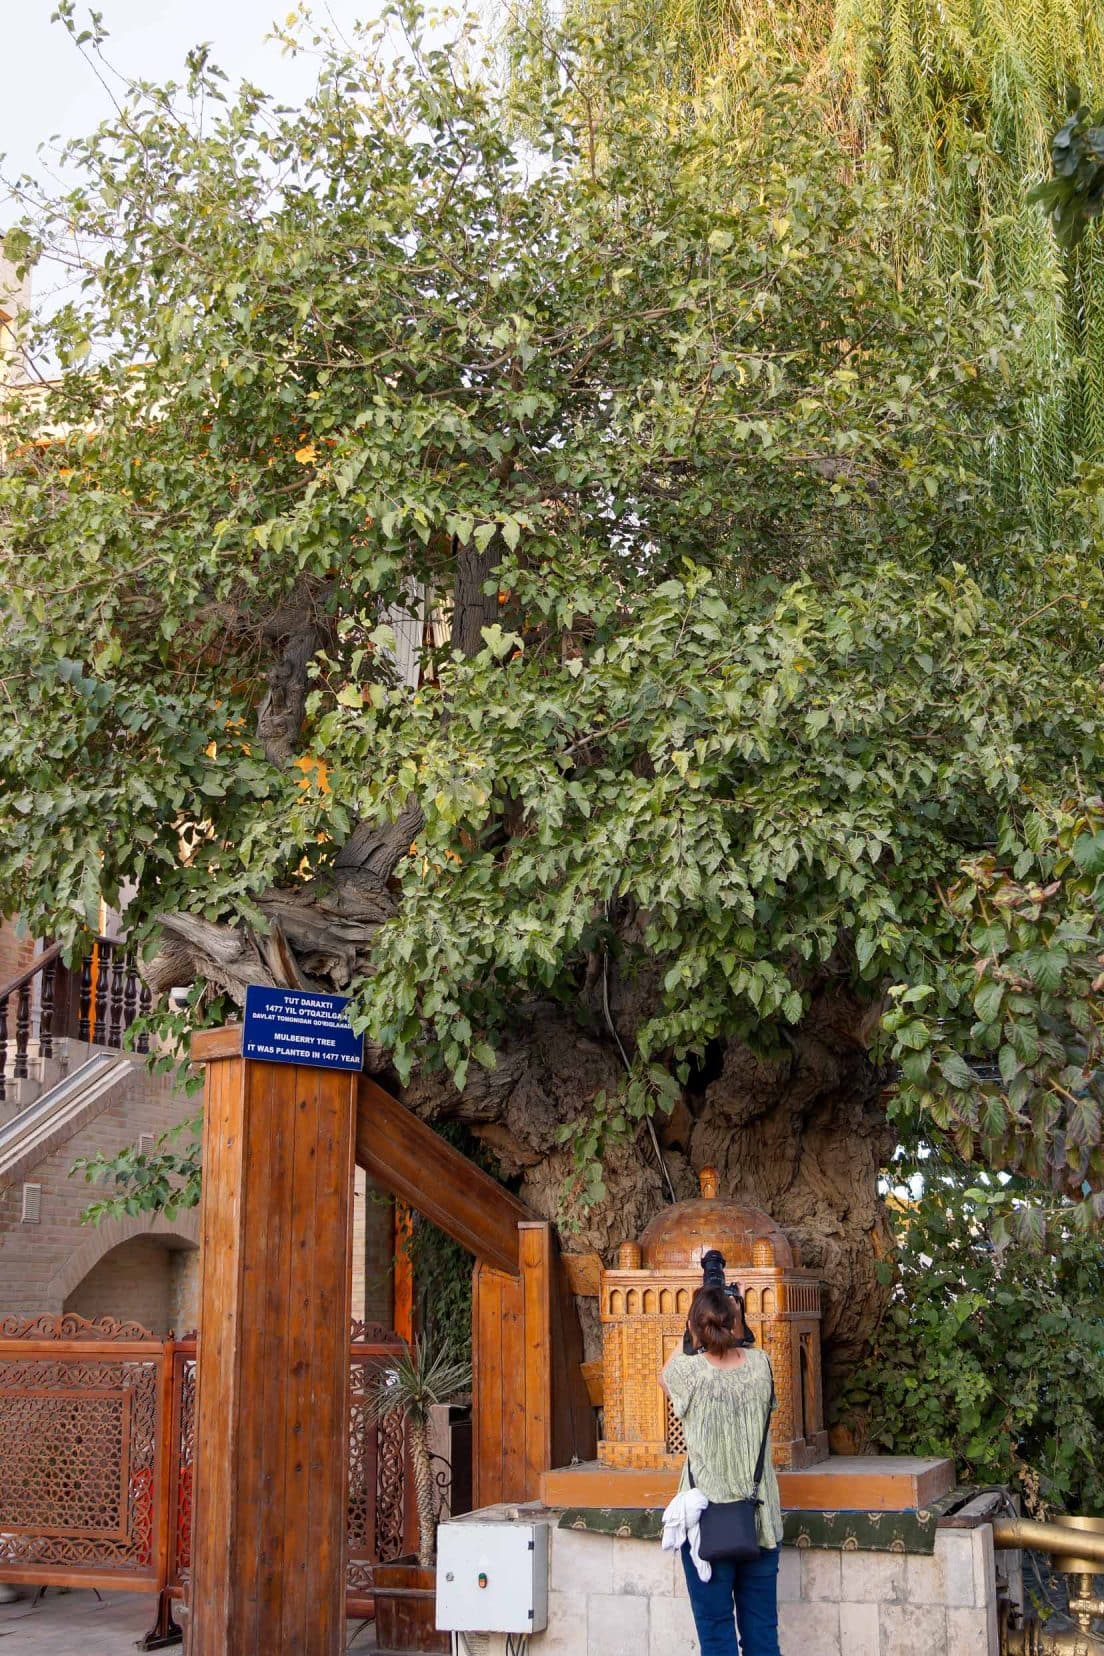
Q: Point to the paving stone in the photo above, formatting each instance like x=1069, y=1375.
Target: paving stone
x=672, y=1628
x=789, y=1576
x=859, y=1634
x=972, y=1633
x=642, y=1567
x=912, y=1629
x=810, y=1629
x=566, y=1634
x=955, y=1553
x=820, y=1575
x=617, y=1625
x=582, y=1563
x=872, y=1578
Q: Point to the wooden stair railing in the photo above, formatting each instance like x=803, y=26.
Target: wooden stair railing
x=110, y=998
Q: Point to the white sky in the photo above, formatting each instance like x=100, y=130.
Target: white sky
x=46, y=87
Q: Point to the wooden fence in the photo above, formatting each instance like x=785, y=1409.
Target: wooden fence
x=97, y=1428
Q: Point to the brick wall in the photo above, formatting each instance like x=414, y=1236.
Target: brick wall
x=131, y=1283
x=184, y=1290
x=42, y=1264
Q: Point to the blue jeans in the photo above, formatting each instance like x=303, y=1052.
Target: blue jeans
x=750, y=1591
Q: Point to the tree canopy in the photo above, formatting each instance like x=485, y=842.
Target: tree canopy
x=956, y=102
x=749, y=695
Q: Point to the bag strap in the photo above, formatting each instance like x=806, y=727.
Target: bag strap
x=762, y=1457
x=761, y=1461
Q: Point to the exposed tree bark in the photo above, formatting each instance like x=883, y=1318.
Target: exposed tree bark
x=803, y=1137
x=474, y=609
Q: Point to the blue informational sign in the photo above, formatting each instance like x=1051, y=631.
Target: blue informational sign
x=296, y=1026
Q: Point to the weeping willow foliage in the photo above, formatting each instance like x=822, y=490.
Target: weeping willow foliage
x=958, y=100
x=965, y=95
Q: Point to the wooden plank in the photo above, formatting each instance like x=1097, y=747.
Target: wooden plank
x=574, y=1425
x=871, y=1483
x=594, y=1379
x=584, y=1274
x=594, y=1485
x=524, y=1403
x=67, y=1575
x=406, y=1157
x=843, y=1483
x=218, y=1259
x=487, y=1441
x=322, y=1405
x=402, y=1280
x=216, y=1043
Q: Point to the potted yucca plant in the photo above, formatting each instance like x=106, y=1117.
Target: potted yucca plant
x=406, y=1588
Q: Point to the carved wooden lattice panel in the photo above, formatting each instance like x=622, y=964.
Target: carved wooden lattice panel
x=81, y=1478
x=79, y=1461
x=377, y=1462
x=182, y=1479
x=675, y=1437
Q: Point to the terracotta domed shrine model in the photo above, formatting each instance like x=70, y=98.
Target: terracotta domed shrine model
x=644, y=1303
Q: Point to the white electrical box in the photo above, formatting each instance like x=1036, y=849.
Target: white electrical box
x=492, y=1577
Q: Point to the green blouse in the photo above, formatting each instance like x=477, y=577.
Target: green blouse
x=722, y=1413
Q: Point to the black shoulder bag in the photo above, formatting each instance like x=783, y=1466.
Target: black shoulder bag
x=727, y=1528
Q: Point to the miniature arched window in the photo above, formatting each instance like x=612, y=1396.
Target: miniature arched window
x=649, y=1302
x=683, y=1300
x=666, y=1300
x=768, y=1302
x=632, y=1302
x=751, y=1301
x=617, y=1303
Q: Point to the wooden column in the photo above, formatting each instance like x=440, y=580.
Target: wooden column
x=269, y=1538
x=530, y=1406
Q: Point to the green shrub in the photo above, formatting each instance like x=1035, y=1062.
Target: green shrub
x=993, y=1355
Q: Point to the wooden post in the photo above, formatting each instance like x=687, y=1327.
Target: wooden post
x=530, y=1407
x=269, y=1547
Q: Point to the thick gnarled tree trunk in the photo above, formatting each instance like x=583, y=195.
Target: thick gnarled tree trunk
x=803, y=1137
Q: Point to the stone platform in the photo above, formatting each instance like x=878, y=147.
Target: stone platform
x=867, y=1483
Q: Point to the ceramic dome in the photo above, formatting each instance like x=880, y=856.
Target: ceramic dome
x=678, y=1236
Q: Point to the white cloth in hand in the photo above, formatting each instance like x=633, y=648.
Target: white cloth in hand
x=681, y=1522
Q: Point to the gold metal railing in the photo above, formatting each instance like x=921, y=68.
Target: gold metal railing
x=1075, y=1547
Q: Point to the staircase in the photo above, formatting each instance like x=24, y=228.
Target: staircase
x=33, y=1128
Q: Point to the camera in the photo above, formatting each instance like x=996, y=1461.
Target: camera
x=713, y=1276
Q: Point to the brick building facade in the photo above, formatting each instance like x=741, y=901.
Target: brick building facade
x=141, y=1268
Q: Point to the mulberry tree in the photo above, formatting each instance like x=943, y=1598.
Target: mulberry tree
x=540, y=577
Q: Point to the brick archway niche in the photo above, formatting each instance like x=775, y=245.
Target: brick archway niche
x=179, y=1234
x=268, y=1565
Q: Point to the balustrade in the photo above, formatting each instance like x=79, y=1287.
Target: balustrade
x=110, y=998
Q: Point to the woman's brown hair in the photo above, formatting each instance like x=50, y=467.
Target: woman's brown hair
x=715, y=1321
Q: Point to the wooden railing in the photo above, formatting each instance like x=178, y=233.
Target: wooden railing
x=99, y=1005
x=83, y=1504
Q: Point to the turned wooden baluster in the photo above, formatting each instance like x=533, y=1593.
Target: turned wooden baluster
x=84, y=1022
x=118, y=1023
x=22, y=1032
x=46, y=1012
x=102, y=950
x=4, y=1047
x=145, y=1003
x=130, y=993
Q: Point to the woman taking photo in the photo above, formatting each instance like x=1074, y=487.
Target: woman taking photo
x=723, y=1395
